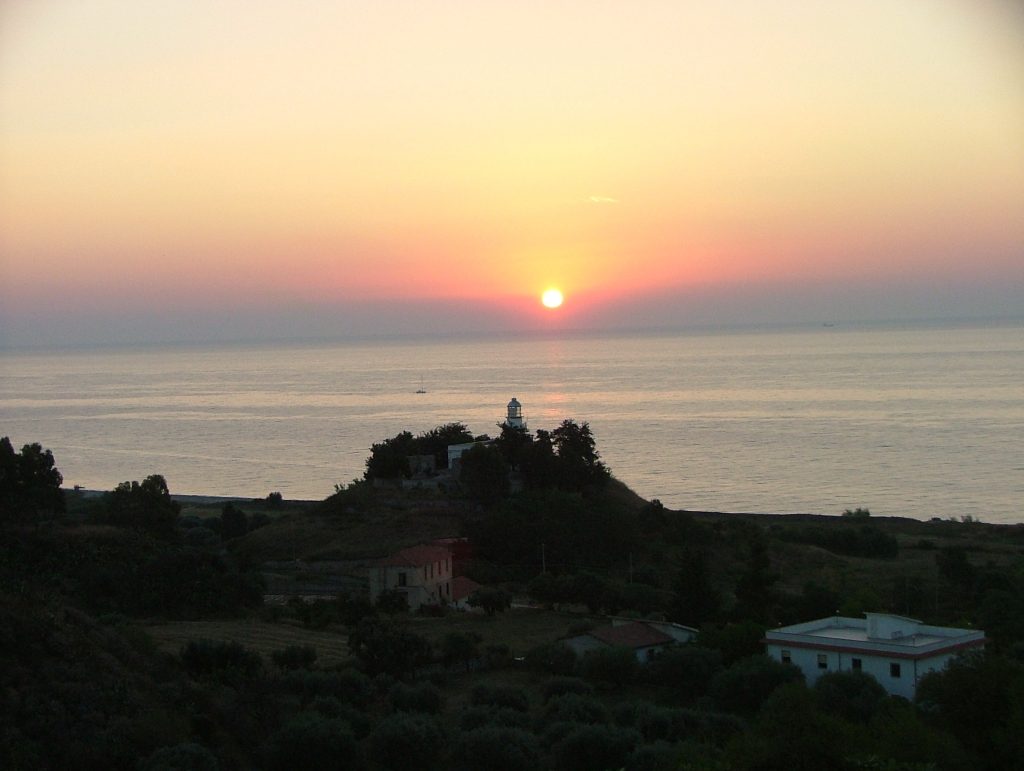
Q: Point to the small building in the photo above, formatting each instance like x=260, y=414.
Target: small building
x=456, y=451
x=514, y=417
x=895, y=650
x=639, y=636
x=422, y=573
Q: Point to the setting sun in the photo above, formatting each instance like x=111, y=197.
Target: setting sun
x=551, y=298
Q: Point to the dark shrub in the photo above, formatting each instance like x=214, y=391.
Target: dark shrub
x=686, y=669
x=205, y=658
x=595, y=748
x=181, y=757
x=617, y=665
x=311, y=741
x=406, y=740
x=659, y=756
x=652, y=722
x=331, y=707
x=572, y=708
x=853, y=696
x=347, y=685
x=472, y=718
x=420, y=697
x=295, y=657
x=559, y=686
x=500, y=696
x=497, y=749
x=553, y=658
x=744, y=687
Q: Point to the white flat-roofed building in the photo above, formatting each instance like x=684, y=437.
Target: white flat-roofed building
x=895, y=650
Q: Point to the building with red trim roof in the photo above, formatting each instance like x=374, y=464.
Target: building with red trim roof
x=423, y=574
x=644, y=638
x=895, y=650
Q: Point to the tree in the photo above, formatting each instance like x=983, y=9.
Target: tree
x=484, y=473
x=294, y=657
x=979, y=699
x=512, y=443
x=29, y=482
x=311, y=741
x=406, y=739
x=754, y=595
x=853, y=696
x=579, y=464
x=146, y=505
x=383, y=648
x=695, y=600
x=435, y=441
x=497, y=749
x=744, y=687
x=538, y=462
x=390, y=459
x=460, y=648
x=491, y=599
x=233, y=522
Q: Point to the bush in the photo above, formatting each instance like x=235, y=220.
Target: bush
x=595, y=748
x=311, y=741
x=497, y=749
x=744, y=687
x=204, y=658
x=659, y=756
x=853, y=696
x=500, y=696
x=421, y=697
x=686, y=669
x=559, y=686
x=652, y=722
x=553, y=658
x=347, y=685
x=404, y=740
x=616, y=665
x=181, y=757
x=295, y=657
x=472, y=718
x=572, y=708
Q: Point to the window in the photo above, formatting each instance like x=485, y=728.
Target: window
x=855, y=665
x=822, y=661
x=786, y=658
x=894, y=670
x=402, y=579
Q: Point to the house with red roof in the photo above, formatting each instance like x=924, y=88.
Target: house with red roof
x=423, y=574
x=644, y=638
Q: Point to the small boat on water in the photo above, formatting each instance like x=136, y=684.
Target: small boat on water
x=421, y=389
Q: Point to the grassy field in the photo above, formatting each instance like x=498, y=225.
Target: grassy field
x=520, y=628
x=262, y=636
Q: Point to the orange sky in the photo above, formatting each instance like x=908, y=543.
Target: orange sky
x=158, y=156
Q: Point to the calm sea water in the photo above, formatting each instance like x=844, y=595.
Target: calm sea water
x=916, y=422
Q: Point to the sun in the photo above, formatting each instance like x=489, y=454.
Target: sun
x=552, y=298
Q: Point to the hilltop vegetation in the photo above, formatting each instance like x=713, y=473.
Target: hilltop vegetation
x=135, y=633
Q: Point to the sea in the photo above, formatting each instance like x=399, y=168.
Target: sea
x=918, y=421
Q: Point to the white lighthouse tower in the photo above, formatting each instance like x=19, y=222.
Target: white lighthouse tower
x=514, y=418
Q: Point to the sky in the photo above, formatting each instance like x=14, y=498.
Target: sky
x=219, y=169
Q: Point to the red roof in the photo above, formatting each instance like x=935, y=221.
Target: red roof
x=415, y=556
x=635, y=635
x=462, y=587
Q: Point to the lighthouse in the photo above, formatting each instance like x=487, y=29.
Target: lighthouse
x=514, y=418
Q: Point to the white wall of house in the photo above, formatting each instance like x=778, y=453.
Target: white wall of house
x=428, y=584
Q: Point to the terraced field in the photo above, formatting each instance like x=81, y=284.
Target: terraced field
x=262, y=636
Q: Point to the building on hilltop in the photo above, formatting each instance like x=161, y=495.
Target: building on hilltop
x=423, y=574
x=895, y=650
